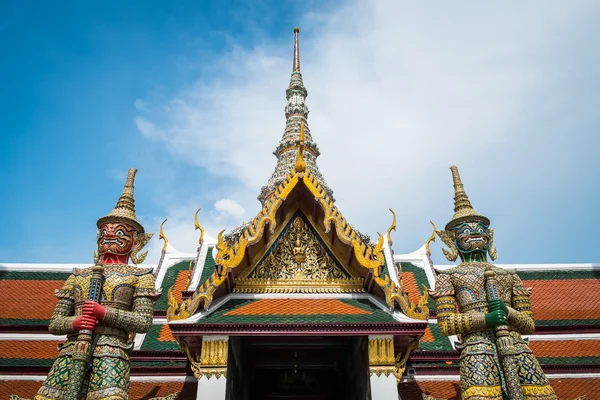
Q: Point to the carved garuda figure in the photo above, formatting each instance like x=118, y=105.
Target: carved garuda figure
x=100, y=308
x=489, y=308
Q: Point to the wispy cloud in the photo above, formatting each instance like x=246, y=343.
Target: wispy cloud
x=399, y=92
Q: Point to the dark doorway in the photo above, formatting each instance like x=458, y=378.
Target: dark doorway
x=293, y=367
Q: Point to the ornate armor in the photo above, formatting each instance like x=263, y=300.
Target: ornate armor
x=128, y=294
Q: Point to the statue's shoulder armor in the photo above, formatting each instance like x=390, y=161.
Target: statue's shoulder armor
x=117, y=269
x=122, y=269
x=448, y=271
x=83, y=271
x=505, y=271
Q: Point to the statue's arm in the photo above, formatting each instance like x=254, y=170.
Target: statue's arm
x=450, y=321
x=61, y=322
x=139, y=319
x=520, y=314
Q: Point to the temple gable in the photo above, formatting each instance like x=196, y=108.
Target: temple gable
x=299, y=261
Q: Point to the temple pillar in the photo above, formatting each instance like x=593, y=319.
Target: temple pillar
x=382, y=367
x=211, y=368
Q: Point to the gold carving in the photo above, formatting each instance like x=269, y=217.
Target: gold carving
x=401, y=359
x=298, y=263
x=198, y=227
x=381, y=356
x=431, y=239
x=448, y=239
x=161, y=236
x=211, y=362
x=492, y=249
x=391, y=228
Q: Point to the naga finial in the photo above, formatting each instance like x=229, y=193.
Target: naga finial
x=198, y=227
x=300, y=163
x=161, y=236
x=391, y=228
x=431, y=239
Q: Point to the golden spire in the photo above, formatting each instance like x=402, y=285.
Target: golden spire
x=296, y=50
x=300, y=164
x=161, y=236
x=463, y=210
x=125, y=209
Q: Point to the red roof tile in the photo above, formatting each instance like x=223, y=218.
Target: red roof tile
x=409, y=284
x=138, y=390
x=566, y=389
x=40, y=301
x=565, y=299
x=36, y=349
x=297, y=307
x=165, y=334
x=180, y=284
x=566, y=348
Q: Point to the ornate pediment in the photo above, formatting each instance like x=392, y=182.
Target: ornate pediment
x=298, y=262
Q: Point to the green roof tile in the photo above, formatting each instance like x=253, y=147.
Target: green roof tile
x=209, y=267
x=549, y=275
x=151, y=341
x=440, y=342
x=420, y=278
x=34, y=276
x=168, y=281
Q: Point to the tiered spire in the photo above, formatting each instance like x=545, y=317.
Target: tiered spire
x=463, y=210
x=296, y=114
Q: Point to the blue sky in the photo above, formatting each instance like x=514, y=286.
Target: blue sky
x=192, y=94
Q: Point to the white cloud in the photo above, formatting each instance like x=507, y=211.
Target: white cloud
x=147, y=128
x=229, y=208
x=397, y=92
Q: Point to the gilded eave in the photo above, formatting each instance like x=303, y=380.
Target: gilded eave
x=235, y=255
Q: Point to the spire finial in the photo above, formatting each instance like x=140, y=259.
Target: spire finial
x=300, y=163
x=125, y=209
x=296, y=50
x=463, y=210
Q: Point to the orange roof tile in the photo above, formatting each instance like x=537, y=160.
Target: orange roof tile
x=37, y=349
x=427, y=336
x=409, y=284
x=165, y=334
x=450, y=390
x=566, y=348
x=138, y=390
x=180, y=284
x=578, y=298
x=40, y=298
x=297, y=307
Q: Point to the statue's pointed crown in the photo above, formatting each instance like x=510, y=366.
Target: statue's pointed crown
x=463, y=210
x=125, y=209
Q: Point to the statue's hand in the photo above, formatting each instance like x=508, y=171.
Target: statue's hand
x=497, y=305
x=495, y=318
x=84, y=322
x=94, y=309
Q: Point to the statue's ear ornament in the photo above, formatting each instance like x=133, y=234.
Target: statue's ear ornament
x=492, y=249
x=448, y=239
x=141, y=240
